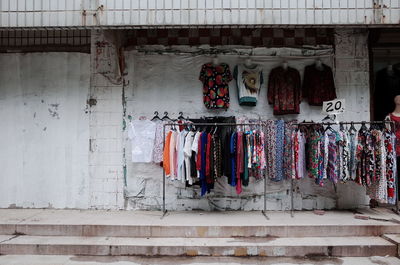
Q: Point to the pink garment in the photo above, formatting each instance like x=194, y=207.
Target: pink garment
x=172, y=155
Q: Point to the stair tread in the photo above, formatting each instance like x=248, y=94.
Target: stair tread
x=393, y=237
x=181, y=241
x=101, y=260
x=194, y=218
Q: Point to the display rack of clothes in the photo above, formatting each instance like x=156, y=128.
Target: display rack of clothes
x=201, y=152
x=366, y=156
x=277, y=150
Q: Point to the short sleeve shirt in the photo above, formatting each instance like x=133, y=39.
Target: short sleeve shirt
x=215, y=79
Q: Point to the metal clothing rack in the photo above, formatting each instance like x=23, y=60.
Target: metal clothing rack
x=264, y=211
x=260, y=124
x=358, y=123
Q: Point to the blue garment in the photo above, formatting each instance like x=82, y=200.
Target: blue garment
x=203, y=181
x=280, y=137
x=233, y=159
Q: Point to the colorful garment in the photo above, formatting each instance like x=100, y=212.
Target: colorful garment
x=270, y=134
x=391, y=165
x=239, y=161
x=280, y=135
x=332, y=172
x=284, y=90
x=158, y=141
x=352, y=148
x=166, y=155
x=288, y=162
x=233, y=159
x=249, y=80
x=397, y=131
x=215, y=81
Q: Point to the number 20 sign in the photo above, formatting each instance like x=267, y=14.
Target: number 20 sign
x=333, y=107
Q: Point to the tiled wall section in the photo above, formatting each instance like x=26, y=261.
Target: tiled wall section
x=225, y=36
x=28, y=13
x=105, y=103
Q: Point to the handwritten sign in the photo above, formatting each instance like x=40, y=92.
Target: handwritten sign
x=336, y=106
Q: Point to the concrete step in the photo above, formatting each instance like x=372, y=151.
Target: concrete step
x=395, y=239
x=197, y=231
x=235, y=246
x=39, y=222
x=135, y=260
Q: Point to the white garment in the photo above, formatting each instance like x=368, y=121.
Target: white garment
x=180, y=173
x=187, y=150
x=142, y=134
x=248, y=81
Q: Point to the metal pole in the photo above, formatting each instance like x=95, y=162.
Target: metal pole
x=164, y=210
x=264, y=212
x=291, y=198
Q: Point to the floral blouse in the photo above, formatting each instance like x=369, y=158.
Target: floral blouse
x=215, y=81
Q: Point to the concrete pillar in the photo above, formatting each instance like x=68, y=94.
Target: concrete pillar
x=352, y=75
x=106, y=110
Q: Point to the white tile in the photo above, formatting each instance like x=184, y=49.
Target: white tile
x=252, y=3
x=21, y=5
x=176, y=4
x=234, y=3
x=284, y=3
x=217, y=4
x=209, y=4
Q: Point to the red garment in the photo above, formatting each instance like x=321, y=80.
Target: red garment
x=397, y=132
x=318, y=85
x=208, y=153
x=284, y=90
x=239, y=161
x=215, y=79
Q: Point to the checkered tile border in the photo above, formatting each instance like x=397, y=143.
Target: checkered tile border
x=259, y=37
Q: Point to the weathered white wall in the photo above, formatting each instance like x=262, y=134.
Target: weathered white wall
x=106, y=110
x=170, y=83
x=59, y=151
x=28, y=13
x=44, y=130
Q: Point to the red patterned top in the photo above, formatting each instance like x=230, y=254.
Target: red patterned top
x=215, y=81
x=397, y=131
x=284, y=90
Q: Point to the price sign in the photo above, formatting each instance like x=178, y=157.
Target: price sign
x=336, y=106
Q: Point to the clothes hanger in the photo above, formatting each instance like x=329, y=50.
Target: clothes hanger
x=363, y=127
x=156, y=116
x=180, y=117
x=352, y=128
x=166, y=116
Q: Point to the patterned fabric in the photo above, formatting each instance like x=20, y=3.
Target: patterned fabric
x=284, y=92
x=344, y=174
x=397, y=131
x=378, y=188
x=158, y=141
x=332, y=158
x=313, y=155
x=215, y=81
x=352, y=161
x=301, y=156
x=280, y=136
x=270, y=134
x=391, y=166
x=288, y=161
x=318, y=84
x=239, y=161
